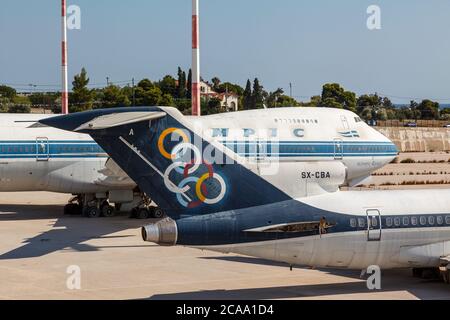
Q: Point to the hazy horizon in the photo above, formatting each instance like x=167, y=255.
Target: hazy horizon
x=307, y=43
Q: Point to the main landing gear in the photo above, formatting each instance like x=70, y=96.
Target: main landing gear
x=92, y=207
x=146, y=210
x=441, y=273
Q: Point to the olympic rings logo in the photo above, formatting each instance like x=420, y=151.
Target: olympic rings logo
x=187, y=169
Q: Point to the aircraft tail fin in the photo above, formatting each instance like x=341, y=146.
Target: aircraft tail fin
x=168, y=159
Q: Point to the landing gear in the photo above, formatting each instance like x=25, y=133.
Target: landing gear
x=97, y=205
x=157, y=213
x=107, y=210
x=442, y=273
x=91, y=212
x=72, y=209
x=146, y=209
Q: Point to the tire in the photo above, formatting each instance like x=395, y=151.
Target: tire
x=143, y=213
x=446, y=276
x=108, y=211
x=92, y=212
x=157, y=213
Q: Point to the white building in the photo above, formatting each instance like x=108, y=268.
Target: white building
x=229, y=100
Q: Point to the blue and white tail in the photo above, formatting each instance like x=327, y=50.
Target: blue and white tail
x=165, y=156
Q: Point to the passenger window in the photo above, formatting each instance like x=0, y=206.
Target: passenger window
x=414, y=221
x=431, y=220
x=423, y=221
x=361, y=222
x=353, y=223
x=397, y=221
x=440, y=220
x=374, y=222
x=389, y=222
x=405, y=221
x=447, y=219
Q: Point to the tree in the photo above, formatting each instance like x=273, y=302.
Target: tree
x=81, y=98
x=214, y=105
x=230, y=87
x=216, y=82
x=19, y=108
x=168, y=85
x=152, y=97
x=181, y=89
x=247, y=100
x=7, y=92
x=113, y=97
x=145, y=84
x=429, y=109
x=257, y=96
x=166, y=101
x=334, y=96
x=272, y=98
x=189, y=85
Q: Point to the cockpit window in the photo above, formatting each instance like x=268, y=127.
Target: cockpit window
x=358, y=119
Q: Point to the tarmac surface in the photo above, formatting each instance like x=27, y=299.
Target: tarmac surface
x=38, y=245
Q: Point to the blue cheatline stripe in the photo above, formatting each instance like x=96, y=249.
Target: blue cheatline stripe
x=80, y=149
x=305, y=142
x=318, y=155
x=44, y=156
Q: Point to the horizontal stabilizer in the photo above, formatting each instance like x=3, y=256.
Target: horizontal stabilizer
x=119, y=119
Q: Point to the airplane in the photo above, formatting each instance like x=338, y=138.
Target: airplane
x=265, y=183
x=38, y=158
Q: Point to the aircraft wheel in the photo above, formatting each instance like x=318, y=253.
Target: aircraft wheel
x=143, y=213
x=446, y=276
x=108, y=211
x=92, y=212
x=157, y=213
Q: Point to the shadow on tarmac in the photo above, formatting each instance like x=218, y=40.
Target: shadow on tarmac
x=66, y=233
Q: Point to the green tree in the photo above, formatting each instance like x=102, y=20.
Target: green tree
x=19, y=108
x=429, y=109
x=216, y=82
x=7, y=92
x=334, y=96
x=257, y=95
x=247, y=100
x=114, y=97
x=166, y=101
x=81, y=98
x=168, y=85
x=189, y=85
x=181, y=89
x=214, y=105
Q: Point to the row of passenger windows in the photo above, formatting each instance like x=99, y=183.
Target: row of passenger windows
x=304, y=121
x=43, y=148
x=390, y=222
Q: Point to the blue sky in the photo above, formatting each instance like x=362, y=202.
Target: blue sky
x=307, y=42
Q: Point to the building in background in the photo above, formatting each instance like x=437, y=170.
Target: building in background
x=229, y=101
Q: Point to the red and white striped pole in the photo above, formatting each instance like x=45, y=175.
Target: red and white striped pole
x=196, y=110
x=65, y=85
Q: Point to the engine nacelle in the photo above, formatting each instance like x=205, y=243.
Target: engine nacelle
x=164, y=232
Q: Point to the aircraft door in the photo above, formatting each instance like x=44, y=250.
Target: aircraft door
x=42, y=149
x=338, y=149
x=373, y=225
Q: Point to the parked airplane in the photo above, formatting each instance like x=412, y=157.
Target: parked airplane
x=265, y=183
x=38, y=158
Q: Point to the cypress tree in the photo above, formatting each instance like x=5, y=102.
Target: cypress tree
x=248, y=95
